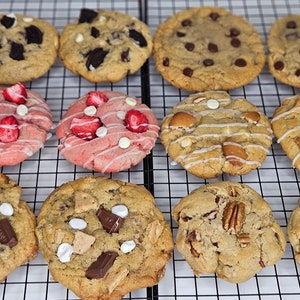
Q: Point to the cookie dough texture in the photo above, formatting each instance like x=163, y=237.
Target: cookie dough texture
x=227, y=228
x=145, y=225
x=23, y=223
x=208, y=48
x=28, y=48
x=105, y=48
x=283, y=50
x=210, y=133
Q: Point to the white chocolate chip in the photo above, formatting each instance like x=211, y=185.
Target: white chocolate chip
x=124, y=142
x=127, y=246
x=213, y=103
x=79, y=38
x=90, y=110
x=102, y=19
x=130, y=101
x=64, y=252
x=22, y=110
x=185, y=142
x=121, y=114
x=101, y=131
x=120, y=210
x=77, y=223
x=6, y=209
x=27, y=19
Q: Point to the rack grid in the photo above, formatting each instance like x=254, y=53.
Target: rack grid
x=276, y=180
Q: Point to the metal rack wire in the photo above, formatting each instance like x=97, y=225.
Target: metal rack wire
x=276, y=180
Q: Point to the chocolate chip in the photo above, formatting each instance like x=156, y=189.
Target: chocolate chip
x=99, y=267
x=214, y=16
x=110, y=222
x=125, y=55
x=188, y=72
x=186, y=22
x=278, y=65
x=189, y=46
x=33, y=35
x=95, y=32
x=138, y=37
x=7, y=21
x=297, y=73
x=291, y=25
x=233, y=32
x=208, y=62
x=16, y=51
x=95, y=58
x=166, y=61
x=87, y=15
x=180, y=34
x=240, y=62
x=7, y=234
x=212, y=47
x=236, y=43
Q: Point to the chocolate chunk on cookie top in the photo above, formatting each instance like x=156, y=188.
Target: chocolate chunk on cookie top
x=105, y=45
x=208, y=48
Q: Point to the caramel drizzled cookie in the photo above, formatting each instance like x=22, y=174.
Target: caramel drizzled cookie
x=210, y=133
x=28, y=47
x=227, y=228
x=208, y=48
x=105, y=45
x=283, y=50
x=103, y=238
x=17, y=228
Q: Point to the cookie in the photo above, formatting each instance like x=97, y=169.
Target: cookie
x=103, y=238
x=28, y=47
x=17, y=228
x=227, y=228
x=293, y=231
x=107, y=131
x=210, y=133
x=208, y=48
x=105, y=46
x=25, y=120
x=283, y=50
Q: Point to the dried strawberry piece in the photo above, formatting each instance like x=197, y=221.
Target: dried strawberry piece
x=85, y=127
x=9, y=130
x=95, y=98
x=16, y=93
x=136, y=121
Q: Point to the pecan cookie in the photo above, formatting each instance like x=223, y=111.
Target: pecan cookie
x=227, y=228
x=283, y=50
x=103, y=238
x=28, y=47
x=210, y=133
x=17, y=228
x=105, y=45
x=208, y=48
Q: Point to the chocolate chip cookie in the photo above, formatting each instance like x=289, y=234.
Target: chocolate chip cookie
x=227, y=228
x=17, y=228
x=105, y=45
x=283, y=50
x=28, y=47
x=210, y=133
x=208, y=48
x=103, y=238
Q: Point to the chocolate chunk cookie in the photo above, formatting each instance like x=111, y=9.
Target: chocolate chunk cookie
x=103, y=238
x=283, y=50
x=28, y=48
x=210, y=133
x=105, y=45
x=208, y=48
x=17, y=226
x=227, y=228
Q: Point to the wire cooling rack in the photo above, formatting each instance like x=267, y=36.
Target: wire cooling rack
x=276, y=180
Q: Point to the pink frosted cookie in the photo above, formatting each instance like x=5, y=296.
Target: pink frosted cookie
x=25, y=119
x=107, y=131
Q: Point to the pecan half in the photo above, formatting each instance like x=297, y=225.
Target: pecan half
x=232, y=191
x=244, y=239
x=233, y=217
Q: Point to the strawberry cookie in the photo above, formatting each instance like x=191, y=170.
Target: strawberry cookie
x=107, y=131
x=25, y=119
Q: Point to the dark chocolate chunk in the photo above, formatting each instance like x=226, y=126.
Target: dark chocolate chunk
x=125, y=55
x=291, y=25
x=7, y=234
x=138, y=37
x=212, y=47
x=180, y=34
x=235, y=43
x=189, y=46
x=208, y=62
x=240, y=62
x=95, y=58
x=188, y=72
x=214, y=16
x=110, y=222
x=186, y=22
x=99, y=267
x=278, y=65
x=297, y=73
x=16, y=51
x=166, y=61
x=7, y=21
x=87, y=15
x=95, y=32
x=33, y=35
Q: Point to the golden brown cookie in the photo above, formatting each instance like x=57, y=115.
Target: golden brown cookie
x=208, y=48
x=210, y=133
x=227, y=228
x=103, y=238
